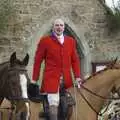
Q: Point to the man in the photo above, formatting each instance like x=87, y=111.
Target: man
x=60, y=54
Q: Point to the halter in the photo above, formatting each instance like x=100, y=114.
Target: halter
x=16, y=69
x=10, y=72
x=15, y=98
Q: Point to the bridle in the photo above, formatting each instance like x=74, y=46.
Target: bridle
x=97, y=95
x=16, y=69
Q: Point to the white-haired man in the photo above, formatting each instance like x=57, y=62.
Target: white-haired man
x=60, y=54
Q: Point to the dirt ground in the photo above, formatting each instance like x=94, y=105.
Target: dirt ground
x=35, y=109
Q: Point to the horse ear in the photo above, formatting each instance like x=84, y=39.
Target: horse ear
x=12, y=58
x=26, y=59
x=115, y=60
x=112, y=63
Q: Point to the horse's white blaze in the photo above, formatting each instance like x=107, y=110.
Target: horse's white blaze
x=23, y=83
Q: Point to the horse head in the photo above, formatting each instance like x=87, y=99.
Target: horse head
x=13, y=83
x=17, y=77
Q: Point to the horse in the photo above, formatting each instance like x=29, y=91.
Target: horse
x=13, y=85
x=95, y=91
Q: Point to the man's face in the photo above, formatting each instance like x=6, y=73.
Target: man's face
x=58, y=27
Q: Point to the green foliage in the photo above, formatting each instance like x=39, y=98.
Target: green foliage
x=113, y=17
x=6, y=11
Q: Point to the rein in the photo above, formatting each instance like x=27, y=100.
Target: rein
x=17, y=69
x=93, y=93
x=109, y=98
x=100, y=114
x=10, y=70
x=89, y=103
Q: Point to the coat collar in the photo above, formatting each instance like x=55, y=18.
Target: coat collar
x=54, y=37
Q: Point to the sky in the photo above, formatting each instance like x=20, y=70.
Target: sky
x=110, y=2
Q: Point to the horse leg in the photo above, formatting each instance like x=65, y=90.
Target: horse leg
x=22, y=110
x=1, y=100
x=35, y=109
x=4, y=104
x=27, y=110
x=12, y=113
x=69, y=112
x=6, y=112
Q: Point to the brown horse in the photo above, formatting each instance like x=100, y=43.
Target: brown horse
x=92, y=95
x=13, y=84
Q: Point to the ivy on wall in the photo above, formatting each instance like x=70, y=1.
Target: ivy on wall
x=113, y=16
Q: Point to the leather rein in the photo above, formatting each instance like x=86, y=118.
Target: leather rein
x=15, y=98
x=93, y=93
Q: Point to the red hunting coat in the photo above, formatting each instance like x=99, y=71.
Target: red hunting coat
x=59, y=59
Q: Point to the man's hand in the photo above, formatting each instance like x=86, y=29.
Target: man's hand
x=78, y=82
x=33, y=82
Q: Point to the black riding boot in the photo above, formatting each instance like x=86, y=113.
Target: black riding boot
x=53, y=110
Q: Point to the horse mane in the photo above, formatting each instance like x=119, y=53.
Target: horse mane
x=96, y=73
x=108, y=66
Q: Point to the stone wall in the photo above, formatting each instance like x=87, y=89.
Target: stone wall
x=86, y=18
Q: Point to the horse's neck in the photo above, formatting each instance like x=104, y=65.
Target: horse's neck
x=102, y=81
x=101, y=84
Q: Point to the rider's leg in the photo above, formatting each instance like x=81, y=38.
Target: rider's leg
x=53, y=100
x=53, y=112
